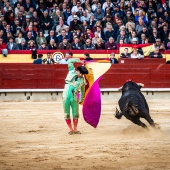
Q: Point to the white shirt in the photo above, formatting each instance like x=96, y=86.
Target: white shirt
x=136, y=56
x=75, y=9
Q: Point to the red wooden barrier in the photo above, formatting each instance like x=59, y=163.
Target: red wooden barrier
x=29, y=76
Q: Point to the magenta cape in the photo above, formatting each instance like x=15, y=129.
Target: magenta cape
x=92, y=102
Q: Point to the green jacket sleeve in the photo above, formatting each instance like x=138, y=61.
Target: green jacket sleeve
x=82, y=93
x=71, y=63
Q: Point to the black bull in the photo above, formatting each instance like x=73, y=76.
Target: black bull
x=133, y=105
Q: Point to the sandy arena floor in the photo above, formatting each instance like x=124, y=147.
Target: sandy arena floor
x=33, y=136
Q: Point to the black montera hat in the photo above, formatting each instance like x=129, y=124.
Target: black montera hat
x=82, y=70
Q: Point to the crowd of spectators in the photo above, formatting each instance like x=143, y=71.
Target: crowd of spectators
x=83, y=24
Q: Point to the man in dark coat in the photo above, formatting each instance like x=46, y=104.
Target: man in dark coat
x=113, y=60
x=155, y=53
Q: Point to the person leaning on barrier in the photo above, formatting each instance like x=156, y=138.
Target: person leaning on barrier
x=135, y=54
x=155, y=53
x=65, y=59
x=39, y=59
x=113, y=60
x=49, y=59
x=125, y=54
x=87, y=57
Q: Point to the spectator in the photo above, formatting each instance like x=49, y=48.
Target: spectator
x=45, y=21
x=40, y=38
x=19, y=38
x=66, y=14
x=88, y=45
x=140, y=25
x=76, y=45
x=29, y=37
x=51, y=36
x=133, y=37
x=65, y=45
x=69, y=34
x=56, y=17
x=8, y=36
x=108, y=20
x=111, y=45
x=100, y=32
x=39, y=60
x=32, y=48
x=113, y=60
x=89, y=13
x=87, y=57
x=168, y=42
x=164, y=34
x=98, y=15
x=65, y=59
x=136, y=54
x=75, y=24
x=142, y=16
x=11, y=45
x=154, y=36
x=155, y=53
x=118, y=12
x=122, y=36
x=62, y=36
x=92, y=22
x=35, y=18
x=49, y=59
x=85, y=17
x=89, y=34
x=80, y=12
x=95, y=38
x=144, y=31
x=71, y=17
x=26, y=23
x=31, y=29
x=159, y=44
x=129, y=16
x=22, y=45
x=125, y=54
x=3, y=48
x=43, y=46
x=99, y=45
x=94, y=5
x=142, y=39
x=76, y=7
x=60, y=27
x=130, y=23
x=52, y=45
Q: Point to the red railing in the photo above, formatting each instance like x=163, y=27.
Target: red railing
x=151, y=72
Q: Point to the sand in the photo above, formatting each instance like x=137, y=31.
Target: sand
x=34, y=136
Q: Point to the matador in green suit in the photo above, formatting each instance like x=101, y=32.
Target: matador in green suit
x=74, y=83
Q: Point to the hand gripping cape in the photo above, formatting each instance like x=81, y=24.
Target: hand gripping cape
x=92, y=101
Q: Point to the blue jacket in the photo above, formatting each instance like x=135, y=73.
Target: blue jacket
x=38, y=61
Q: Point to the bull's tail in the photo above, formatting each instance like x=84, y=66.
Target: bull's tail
x=118, y=114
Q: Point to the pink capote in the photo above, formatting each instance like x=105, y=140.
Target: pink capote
x=92, y=102
x=92, y=105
